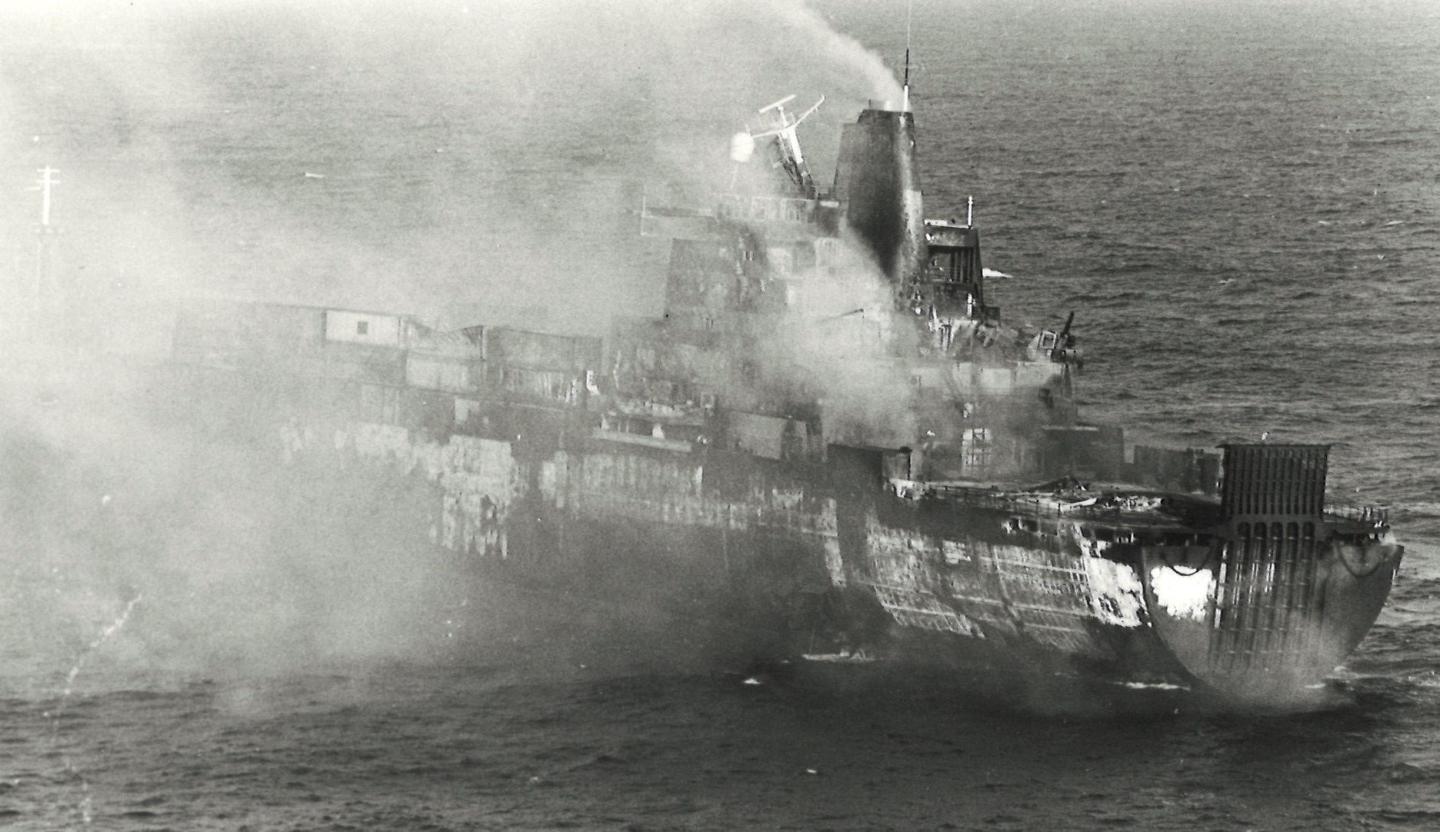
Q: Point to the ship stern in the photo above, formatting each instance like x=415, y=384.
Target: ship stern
x=1283, y=591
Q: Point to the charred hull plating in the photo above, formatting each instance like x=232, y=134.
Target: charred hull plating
x=824, y=564
x=718, y=463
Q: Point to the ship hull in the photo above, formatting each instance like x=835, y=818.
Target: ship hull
x=824, y=560
x=769, y=561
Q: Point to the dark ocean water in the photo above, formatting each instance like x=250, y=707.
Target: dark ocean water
x=1241, y=201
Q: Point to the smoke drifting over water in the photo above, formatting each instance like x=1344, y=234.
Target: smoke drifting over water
x=233, y=141
x=229, y=150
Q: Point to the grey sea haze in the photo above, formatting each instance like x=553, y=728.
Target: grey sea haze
x=1240, y=201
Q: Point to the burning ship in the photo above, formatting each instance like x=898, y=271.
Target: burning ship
x=951, y=505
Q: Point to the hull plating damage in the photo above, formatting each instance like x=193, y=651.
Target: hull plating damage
x=843, y=571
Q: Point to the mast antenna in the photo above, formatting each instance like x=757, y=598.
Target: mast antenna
x=47, y=179
x=43, y=288
x=905, y=89
x=782, y=126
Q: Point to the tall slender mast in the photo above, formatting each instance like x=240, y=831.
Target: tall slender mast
x=46, y=180
x=43, y=280
x=905, y=89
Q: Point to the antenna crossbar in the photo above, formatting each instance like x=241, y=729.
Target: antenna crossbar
x=43, y=185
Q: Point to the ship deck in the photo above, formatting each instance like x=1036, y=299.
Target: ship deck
x=1111, y=503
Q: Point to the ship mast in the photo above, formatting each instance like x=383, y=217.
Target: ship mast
x=47, y=179
x=787, y=142
x=43, y=287
x=905, y=88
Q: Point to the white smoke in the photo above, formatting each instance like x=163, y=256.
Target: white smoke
x=469, y=154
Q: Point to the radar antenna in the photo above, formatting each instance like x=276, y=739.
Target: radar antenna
x=781, y=125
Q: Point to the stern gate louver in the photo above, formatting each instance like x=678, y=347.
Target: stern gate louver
x=1274, y=480
x=1267, y=606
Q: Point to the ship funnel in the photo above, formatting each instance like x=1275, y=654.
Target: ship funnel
x=877, y=179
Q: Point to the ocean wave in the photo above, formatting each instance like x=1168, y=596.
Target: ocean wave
x=1418, y=509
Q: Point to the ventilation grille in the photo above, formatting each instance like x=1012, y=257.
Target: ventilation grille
x=1274, y=481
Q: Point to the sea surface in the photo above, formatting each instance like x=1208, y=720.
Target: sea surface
x=1239, y=200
